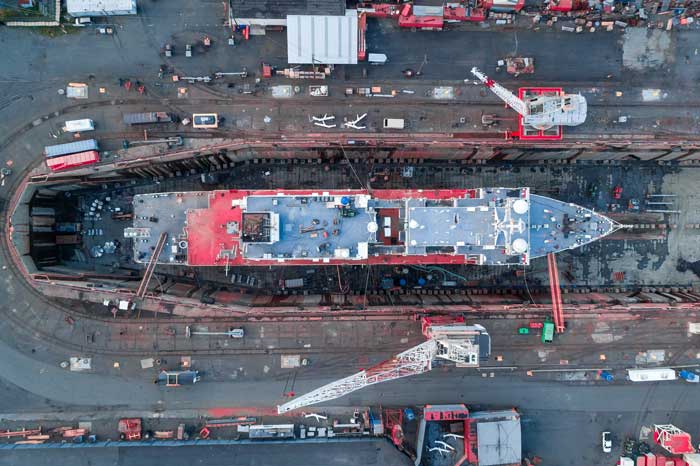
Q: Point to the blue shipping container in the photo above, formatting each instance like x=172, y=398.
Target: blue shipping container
x=70, y=148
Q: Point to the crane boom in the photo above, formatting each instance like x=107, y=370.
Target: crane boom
x=411, y=362
x=505, y=95
x=453, y=341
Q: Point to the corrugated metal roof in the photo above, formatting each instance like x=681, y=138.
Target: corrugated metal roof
x=268, y=9
x=101, y=7
x=499, y=443
x=70, y=148
x=329, y=40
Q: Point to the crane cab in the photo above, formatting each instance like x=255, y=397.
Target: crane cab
x=177, y=378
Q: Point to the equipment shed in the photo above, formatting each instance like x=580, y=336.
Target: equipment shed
x=499, y=438
x=327, y=40
x=78, y=8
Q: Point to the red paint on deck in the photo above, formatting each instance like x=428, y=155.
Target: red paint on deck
x=207, y=235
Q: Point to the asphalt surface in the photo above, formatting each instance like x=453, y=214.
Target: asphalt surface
x=610, y=57
x=32, y=68
x=366, y=452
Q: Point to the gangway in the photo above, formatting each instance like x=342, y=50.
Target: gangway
x=151, y=266
x=557, y=306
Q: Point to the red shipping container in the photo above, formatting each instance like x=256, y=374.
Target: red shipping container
x=73, y=160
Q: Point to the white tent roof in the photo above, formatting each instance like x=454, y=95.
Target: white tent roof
x=100, y=7
x=327, y=40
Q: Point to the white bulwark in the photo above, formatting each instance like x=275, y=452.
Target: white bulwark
x=322, y=40
x=78, y=8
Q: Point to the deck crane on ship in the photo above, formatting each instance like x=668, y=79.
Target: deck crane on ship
x=540, y=110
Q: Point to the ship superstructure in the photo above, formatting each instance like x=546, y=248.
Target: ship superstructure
x=485, y=226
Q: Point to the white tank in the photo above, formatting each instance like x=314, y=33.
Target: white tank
x=521, y=206
x=520, y=245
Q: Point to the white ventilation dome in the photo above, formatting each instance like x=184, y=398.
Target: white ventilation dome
x=521, y=206
x=413, y=224
x=520, y=245
x=372, y=227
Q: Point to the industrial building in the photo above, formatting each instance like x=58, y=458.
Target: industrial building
x=452, y=435
x=328, y=39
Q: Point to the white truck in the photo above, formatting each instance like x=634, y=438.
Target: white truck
x=651, y=375
x=394, y=123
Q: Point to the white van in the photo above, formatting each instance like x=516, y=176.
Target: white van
x=394, y=123
x=78, y=126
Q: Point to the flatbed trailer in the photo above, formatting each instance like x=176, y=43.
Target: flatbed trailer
x=146, y=118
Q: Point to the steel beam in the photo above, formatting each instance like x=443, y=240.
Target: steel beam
x=557, y=305
x=151, y=267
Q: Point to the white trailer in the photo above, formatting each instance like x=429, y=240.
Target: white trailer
x=79, y=126
x=81, y=8
x=376, y=58
x=651, y=375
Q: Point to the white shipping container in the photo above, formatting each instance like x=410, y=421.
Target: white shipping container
x=651, y=375
x=394, y=123
x=76, y=126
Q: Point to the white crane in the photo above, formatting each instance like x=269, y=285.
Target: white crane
x=542, y=111
x=457, y=343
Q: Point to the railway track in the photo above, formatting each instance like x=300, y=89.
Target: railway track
x=245, y=100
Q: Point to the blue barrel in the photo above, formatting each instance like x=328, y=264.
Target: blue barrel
x=402, y=282
x=345, y=200
x=422, y=281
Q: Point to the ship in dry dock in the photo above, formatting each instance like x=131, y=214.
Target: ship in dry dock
x=483, y=226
